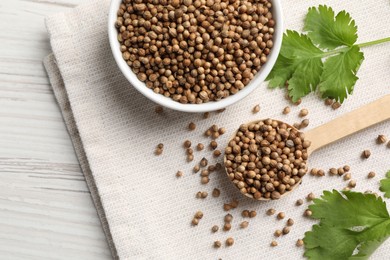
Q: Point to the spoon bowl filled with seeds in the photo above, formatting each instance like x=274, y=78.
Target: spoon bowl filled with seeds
x=195, y=55
x=266, y=159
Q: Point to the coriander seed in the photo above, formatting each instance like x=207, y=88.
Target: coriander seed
x=270, y=212
x=381, y=139
x=191, y=126
x=332, y=171
x=352, y=184
x=278, y=233
x=206, y=115
x=213, y=144
x=204, y=194
x=228, y=218
x=199, y=147
x=336, y=105
x=328, y=102
x=229, y=241
x=281, y=215
x=196, y=168
x=299, y=202
x=299, y=243
x=371, y=175
x=346, y=168
x=256, y=109
x=366, y=154
x=214, y=228
x=286, y=230
x=158, y=151
x=217, y=244
x=252, y=214
x=388, y=144
x=222, y=130
x=195, y=221
x=307, y=213
x=190, y=158
x=187, y=144
x=290, y=222
x=347, y=176
x=179, y=174
x=227, y=227
x=245, y=213
x=304, y=123
x=340, y=171
x=304, y=112
x=217, y=153
x=203, y=162
x=274, y=243
x=244, y=224
x=216, y=192
x=199, y=214
x=286, y=110
x=311, y=196
x=204, y=180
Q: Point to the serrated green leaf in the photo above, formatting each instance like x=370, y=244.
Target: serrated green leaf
x=352, y=225
x=339, y=74
x=385, y=185
x=328, y=31
x=301, y=66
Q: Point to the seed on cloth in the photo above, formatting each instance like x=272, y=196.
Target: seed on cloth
x=270, y=212
x=366, y=154
x=299, y=243
x=217, y=244
x=274, y=243
x=371, y=175
x=229, y=241
x=244, y=224
x=281, y=215
x=256, y=109
x=381, y=139
x=216, y=192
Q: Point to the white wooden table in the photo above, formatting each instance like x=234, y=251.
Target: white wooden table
x=46, y=211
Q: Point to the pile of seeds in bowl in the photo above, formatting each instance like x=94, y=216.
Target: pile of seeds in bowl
x=266, y=159
x=195, y=51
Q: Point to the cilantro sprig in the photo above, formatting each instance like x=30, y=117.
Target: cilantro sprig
x=327, y=58
x=385, y=185
x=352, y=225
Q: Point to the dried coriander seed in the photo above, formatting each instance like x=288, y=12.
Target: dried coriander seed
x=229, y=241
x=290, y=222
x=332, y=171
x=187, y=144
x=321, y=173
x=286, y=230
x=158, y=151
x=371, y=175
x=217, y=153
x=196, y=168
x=299, y=243
x=314, y=171
x=195, y=221
x=346, y=168
x=245, y=213
x=352, y=184
x=281, y=215
x=244, y=224
x=366, y=154
x=388, y=144
x=160, y=146
x=381, y=139
x=217, y=244
x=304, y=112
x=179, y=174
x=191, y=126
x=216, y=192
x=270, y=212
x=252, y=214
x=213, y=144
x=198, y=195
x=336, y=105
x=347, y=176
x=199, y=214
x=206, y=115
x=278, y=233
x=340, y=171
x=286, y=110
x=203, y=162
x=204, y=194
x=228, y=218
x=256, y=109
x=328, y=102
x=227, y=227
x=199, y=147
x=190, y=158
x=222, y=130
x=307, y=213
x=274, y=243
x=205, y=180
x=311, y=196
x=214, y=228
x=304, y=123
x=299, y=202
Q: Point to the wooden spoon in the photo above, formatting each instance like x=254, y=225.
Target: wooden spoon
x=345, y=125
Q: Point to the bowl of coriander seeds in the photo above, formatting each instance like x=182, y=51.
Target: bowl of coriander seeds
x=195, y=55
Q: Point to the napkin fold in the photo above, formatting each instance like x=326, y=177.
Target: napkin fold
x=144, y=209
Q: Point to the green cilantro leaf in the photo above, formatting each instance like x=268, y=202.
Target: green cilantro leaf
x=328, y=31
x=339, y=74
x=385, y=185
x=352, y=225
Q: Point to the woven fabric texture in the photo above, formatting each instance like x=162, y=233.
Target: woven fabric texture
x=145, y=210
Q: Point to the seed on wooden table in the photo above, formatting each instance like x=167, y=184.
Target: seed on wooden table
x=328, y=101
x=366, y=154
x=346, y=168
x=311, y=196
x=332, y=171
x=290, y=222
x=347, y=176
x=217, y=244
x=203, y=162
x=229, y=241
x=217, y=153
x=299, y=202
x=299, y=243
x=199, y=147
x=244, y=224
x=307, y=213
x=381, y=139
x=191, y=126
x=304, y=112
x=352, y=184
x=214, y=228
x=286, y=230
x=278, y=233
x=228, y=218
x=256, y=109
x=245, y=213
x=286, y=110
x=270, y=212
x=371, y=175
x=281, y=215
x=187, y=143
x=274, y=243
x=336, y=105
x=179, y=174
x=216, y=192
x=159, y=109
x=252, y=214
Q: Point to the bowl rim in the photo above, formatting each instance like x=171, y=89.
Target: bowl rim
x=195, y=108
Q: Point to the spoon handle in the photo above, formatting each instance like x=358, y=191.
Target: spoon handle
x=350, y=123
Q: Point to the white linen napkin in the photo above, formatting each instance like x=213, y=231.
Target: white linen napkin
x=145, y=210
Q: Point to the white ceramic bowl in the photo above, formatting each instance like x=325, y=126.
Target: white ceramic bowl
x=204, y=107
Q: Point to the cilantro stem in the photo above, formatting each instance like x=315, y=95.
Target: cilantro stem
x=364, y=44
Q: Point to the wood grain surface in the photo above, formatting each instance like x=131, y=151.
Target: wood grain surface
x=46, y=211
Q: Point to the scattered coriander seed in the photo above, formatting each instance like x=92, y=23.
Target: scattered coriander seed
x=299, y=243
x=270, y=212
x=198, y=195
x=314, y=171
x=158, y=151
x=274, y=243
x=216, y=192
x=352, y=184
x=227, y=227
x=199, y=214
x=299, y=202
x=187, y=144
x=215, y=135
x=234, y=203
x=191, y=126
x=304, y=112
x=196, y=168
x=207, y=133
x=228, y=218
x=199, y=147
x=297, y=126
x=346, y=168
x=278, y=233
x=299, y=101
x=190, y=158
x=328, y=101
x=222, y=130
x=160, y=146
x=204, y=180
x=214, y=228
x=286, y=230
x=204, y=194
x=195, y=221
x=244, y=224
x=311, y=196
x=336, y=105
x=321, y=173
x=206, y=115
x=281, y=215
x=371, y=175
x=381, y=139
x=179, y=174
x=217, y=153
x=211, y=168
x=290, y=222
x=213, y=144
x=346, y=189
x=307, y=213
x=366, y=154
x=332, y=171
x=204, y=173
x=203, y=162
x=347, y=176
x=227, y=207
x=340, y=171
x=245, y=213
x=159, y=109
x=252, y=214
x=304, y=123
x=229, y=241
x=256, y=109
x=214, y=128
x=189, y=151
x=217, y=244
x=286, y=110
